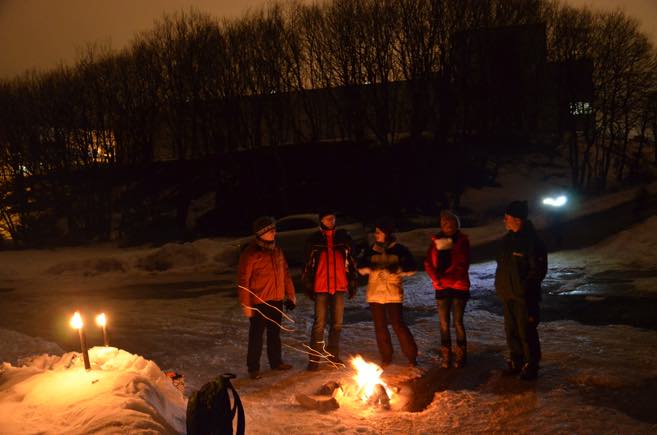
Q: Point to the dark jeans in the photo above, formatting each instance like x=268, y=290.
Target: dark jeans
x=257, y=326
x=327, y=306
x=521, y=319
x=455, y=306
x=382, y=314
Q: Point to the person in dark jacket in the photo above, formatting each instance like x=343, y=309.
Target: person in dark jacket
x=521, y=266
x=387, y=262
x=329, y=273
x=263, y=283
x=447, y=263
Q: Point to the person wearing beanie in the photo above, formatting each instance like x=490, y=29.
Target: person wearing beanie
x=521, y=267
x=386, y=262
x=447, y=263
x=263, y=284
x=329, y=273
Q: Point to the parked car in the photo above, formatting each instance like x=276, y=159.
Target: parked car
x=293, y=231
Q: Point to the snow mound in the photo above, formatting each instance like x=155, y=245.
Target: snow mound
x=16, y=346
x=640, y=237
x=172, y=256
x=90, y=267
x=122, y=393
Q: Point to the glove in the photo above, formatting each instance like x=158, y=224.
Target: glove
x=289, y=304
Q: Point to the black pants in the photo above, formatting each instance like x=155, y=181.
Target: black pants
x=455, y=306
x=521, y=319
x=384, y=313
x=257, y=326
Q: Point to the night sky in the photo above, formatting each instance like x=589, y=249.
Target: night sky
x=41, y=33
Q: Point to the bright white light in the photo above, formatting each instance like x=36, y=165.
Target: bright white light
x=76, y=320
x=101, y=320
x=559, y=201
x=368, y=375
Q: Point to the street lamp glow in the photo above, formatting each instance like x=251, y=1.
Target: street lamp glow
x=559, y=201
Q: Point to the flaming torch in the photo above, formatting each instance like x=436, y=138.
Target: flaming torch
x=101, y=321
x=77, y=323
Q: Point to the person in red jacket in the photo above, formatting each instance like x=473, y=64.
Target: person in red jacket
x=263, y=283
x=330, y=271
x=447, y=264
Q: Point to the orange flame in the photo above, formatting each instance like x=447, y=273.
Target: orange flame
x=368, y=376
x=76, y=321
x=101, y=320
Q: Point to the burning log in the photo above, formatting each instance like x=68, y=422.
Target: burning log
x=379, y=397
x=328, y=388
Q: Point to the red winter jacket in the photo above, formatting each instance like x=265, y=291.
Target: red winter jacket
x=330, y=267
x=453, y=273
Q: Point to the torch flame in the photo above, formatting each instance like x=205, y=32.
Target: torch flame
x=76, y=321
x=368, y=376
x=101, y=320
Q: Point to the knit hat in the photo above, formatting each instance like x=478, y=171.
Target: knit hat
x=326, y=212
x=262, y=225
x=386, y=225
x=517, y=209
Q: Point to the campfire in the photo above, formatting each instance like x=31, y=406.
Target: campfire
x=366, y=387
x=371, y=388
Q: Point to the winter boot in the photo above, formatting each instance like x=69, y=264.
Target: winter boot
x=513, y=367
x=529, y=372
x=460, y=356
x=446, y=354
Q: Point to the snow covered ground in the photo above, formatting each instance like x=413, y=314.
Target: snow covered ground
x=174, y=307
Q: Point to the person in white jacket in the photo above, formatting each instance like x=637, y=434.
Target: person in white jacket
x=387, y=262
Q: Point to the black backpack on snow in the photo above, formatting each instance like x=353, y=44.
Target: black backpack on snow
x=209, y=411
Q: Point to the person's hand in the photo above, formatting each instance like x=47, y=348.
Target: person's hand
x=364, y=270
x=289, y=304
x=248, y=312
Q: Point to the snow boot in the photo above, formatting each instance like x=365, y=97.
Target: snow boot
x=513, y=367
x=529, y=372
x=446, y=354
x=460, y=356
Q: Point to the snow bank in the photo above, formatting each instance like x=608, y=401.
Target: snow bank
x=171, y=256
x=16, y=346
x=123, y=393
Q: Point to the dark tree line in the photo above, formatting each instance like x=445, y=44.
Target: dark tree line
x=369, y=72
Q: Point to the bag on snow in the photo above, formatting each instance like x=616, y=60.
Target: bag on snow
x=209, y=411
